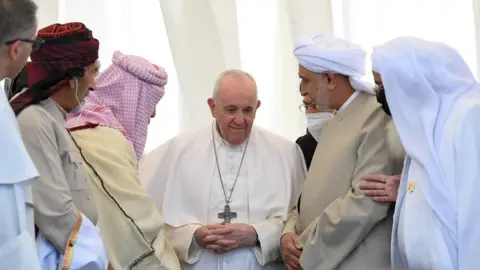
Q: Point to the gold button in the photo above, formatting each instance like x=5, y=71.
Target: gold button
x=411, y=186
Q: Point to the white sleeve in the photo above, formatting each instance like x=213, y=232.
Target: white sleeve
x=16, y=242
x=183, y=242
x=16, y=165
x=269, y=232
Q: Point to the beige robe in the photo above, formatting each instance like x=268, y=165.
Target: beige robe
x=395, y=147
x=62, y=187
x=129, y=223
x=339, y=227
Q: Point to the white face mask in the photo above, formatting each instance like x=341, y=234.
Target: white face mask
x=316, y=122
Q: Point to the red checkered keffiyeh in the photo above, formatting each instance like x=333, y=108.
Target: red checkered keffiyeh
x=125, y=97
x=68, y=50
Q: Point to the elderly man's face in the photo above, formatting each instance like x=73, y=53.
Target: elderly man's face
x=380, y=92
x=79, y=88
x=235, y=108
x=318, y=86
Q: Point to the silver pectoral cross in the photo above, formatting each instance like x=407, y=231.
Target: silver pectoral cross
x=227, y=215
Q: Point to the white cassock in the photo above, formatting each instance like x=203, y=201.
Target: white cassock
x=17, y=172
x=183, y=179
x=435, y=104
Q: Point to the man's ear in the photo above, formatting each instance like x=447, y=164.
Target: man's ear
x=258, y=104
x=14, y=50
x=211, y=104
x=71, y=84
x=330, y=80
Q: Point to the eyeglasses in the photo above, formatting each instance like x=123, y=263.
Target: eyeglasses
x=304, y=107
x=36, y=43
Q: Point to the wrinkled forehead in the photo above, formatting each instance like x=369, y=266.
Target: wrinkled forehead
x=304, y=73
x=238, y=100
x=238, y=92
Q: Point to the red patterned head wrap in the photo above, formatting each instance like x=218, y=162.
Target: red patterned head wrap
x=67, y=51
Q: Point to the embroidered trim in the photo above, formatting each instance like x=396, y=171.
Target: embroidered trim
x=87, y=125
x=72, y=240
x=90, y=125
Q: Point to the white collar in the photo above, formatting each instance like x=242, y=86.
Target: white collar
x=19, y=93
x=53, y=109
x=349, y=100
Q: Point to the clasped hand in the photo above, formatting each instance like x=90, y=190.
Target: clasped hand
x=224, y=237
x=291, y=251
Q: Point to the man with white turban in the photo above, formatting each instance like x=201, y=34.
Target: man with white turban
x=335, y=226
x=435, y=103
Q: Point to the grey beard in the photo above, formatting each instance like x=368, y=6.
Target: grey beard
x=394, y=143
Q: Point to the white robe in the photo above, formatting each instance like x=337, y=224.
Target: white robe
x=418, y=239
x=182, y=178
x=17, y=173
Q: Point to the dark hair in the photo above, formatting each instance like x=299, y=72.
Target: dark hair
x=17, y=17
x=42, y=89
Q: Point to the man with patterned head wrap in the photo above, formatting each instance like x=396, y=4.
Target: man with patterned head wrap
x=434, y=101
x=335, y=226
x=60, y=75
x=111, y=132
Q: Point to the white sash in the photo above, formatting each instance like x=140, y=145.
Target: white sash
x=85, y=249
x=19, y=253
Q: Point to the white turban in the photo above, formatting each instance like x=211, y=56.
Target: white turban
x=422, y=82
x=325, y=53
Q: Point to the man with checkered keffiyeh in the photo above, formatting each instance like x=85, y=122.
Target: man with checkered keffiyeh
x=111, y=132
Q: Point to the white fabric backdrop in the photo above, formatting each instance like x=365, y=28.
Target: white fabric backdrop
x=196, y=39
x=373, y=22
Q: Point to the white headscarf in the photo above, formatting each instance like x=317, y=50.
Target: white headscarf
x=325, y=53
x=422, y=81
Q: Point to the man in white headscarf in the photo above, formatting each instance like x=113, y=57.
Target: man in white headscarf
x=435, y=103
x=335, y=226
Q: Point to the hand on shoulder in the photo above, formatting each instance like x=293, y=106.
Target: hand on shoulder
x=381, y=187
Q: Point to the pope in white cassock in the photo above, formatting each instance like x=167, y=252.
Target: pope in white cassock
x=225, y=190
x=435, y=103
